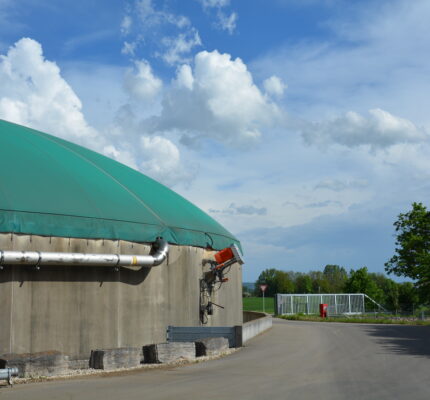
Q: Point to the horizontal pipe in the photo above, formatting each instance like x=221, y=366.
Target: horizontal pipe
x=8, y=373
x=39, y=258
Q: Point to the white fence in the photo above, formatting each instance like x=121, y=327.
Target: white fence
x=338, y=304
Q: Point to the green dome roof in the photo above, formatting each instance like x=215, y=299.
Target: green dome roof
x=52, y=187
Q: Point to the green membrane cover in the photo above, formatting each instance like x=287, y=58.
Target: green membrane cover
x=52, y=187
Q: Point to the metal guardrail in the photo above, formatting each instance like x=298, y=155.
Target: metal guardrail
x=194, y=333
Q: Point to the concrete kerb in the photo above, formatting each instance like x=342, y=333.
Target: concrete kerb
x=52, y=364
x=91, y=373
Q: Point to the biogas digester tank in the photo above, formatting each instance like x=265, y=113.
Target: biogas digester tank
x=56, y=196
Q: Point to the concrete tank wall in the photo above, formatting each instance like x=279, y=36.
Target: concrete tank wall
x=74, y=309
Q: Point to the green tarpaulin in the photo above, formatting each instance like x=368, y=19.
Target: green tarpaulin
x=52, y=187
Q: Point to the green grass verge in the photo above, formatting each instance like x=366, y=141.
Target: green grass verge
x=356, y=320
x=256, y=304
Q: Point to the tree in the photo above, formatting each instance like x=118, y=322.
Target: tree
x=360, y=281
x=319, y=282
x=303, y=284
x=336, y=278
x=408, y=297
x=390, y=291
x=412, y=258
x=276, y=281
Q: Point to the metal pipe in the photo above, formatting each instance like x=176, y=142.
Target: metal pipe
x=7, y=373
x=38, y=258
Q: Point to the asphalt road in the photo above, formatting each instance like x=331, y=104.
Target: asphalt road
x=295, y=360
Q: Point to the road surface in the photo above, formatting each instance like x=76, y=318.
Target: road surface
x=295, y=360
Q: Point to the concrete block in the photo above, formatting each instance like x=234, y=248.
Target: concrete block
x=168, y=352
x=211, y=346
x=108, y=359
x=47, y=363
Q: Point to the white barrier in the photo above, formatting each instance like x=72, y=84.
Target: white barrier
x=254, y=324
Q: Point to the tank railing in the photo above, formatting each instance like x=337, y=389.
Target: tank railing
x=159, y=251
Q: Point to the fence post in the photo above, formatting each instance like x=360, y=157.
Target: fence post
x=335, y=304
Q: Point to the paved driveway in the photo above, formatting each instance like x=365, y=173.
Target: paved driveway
x=295, y=360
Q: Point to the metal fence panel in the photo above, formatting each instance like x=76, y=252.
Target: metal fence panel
x=194, y=333
x=338, y=304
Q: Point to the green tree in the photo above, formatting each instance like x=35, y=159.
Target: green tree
x=408, y=297
x=319, y=282
x=303, y=284
x=412, y=254
x=277, y=282
x=360, y=281
x=336, y=278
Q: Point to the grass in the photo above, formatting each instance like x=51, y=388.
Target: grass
x=357, y=320
x=256, y=304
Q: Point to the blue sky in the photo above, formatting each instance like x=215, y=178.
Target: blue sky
x=300, y=125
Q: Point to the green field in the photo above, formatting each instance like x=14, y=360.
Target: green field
x=256, y=304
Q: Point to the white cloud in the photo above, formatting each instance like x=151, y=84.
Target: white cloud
x=172, y=35
x=219, y=100
x=338, y=185
x=274, y=86
x=33, y=93
x=227, y=22
x=150, y=17
x=323, y=204
x=379, y=130
x=177, y=48
x=87, y=39
x=184, y=77
x=162, y=160
x=215, y=3
x=121, y=155
x=129, y=48
x=140, y=83
x=234, y=209
x=374, y=55
x=126, y=24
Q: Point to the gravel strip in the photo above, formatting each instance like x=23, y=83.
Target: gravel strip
x=90, y=372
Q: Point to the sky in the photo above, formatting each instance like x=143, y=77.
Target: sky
x=302, y=126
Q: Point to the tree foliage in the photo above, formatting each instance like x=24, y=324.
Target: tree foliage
x=360, y=281
x=412, y=254
x=408, y=297
x=303, y=284
x=336, y=277
x=276, y=281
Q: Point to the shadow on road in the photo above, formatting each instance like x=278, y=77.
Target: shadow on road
x=411, y=340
